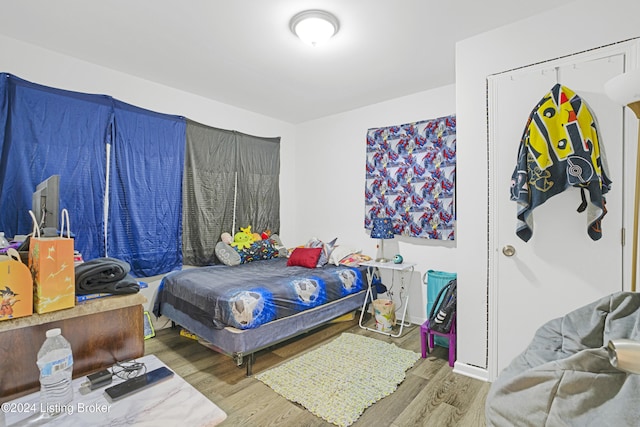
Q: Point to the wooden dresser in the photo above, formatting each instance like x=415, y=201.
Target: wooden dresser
x=101, y=332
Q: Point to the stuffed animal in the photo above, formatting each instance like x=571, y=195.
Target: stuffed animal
x=243, y=239
x=226, y=238
x=247, y=231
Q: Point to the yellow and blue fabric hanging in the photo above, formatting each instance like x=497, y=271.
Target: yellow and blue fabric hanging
x=560, y=147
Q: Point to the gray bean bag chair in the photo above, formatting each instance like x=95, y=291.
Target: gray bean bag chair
x=565, y=378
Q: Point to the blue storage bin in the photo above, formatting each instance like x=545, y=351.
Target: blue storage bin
x=434, y=281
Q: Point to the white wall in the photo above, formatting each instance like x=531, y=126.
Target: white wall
x=577, y=27
x=330, y=184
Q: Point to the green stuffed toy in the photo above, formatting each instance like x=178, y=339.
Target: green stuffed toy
x=243, y=239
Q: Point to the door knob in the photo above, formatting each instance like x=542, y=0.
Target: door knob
x=509, y=250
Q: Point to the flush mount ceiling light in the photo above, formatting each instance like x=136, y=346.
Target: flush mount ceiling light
x=314, y=26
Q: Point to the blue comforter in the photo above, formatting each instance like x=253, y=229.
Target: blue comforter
x=248, y=295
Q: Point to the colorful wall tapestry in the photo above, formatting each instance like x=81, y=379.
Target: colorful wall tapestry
x=410, y=177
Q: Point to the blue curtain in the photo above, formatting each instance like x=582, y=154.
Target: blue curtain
x=46, y=131
x=145, y=196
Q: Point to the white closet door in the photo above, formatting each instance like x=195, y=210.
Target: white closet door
x=560, y=268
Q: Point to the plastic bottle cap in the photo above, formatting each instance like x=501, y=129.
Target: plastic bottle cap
x=53, y=332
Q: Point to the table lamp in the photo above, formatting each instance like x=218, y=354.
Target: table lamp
x=624, y=354
x=382, y=229
x=625, y=90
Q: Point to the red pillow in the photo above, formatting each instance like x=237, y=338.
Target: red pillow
x=304, y=257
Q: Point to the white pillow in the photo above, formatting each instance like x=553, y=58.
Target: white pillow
x=340, y=252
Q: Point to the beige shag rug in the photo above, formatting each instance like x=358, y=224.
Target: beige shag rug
x=342, y=378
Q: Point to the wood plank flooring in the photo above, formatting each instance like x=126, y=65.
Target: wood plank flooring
x=431, y=394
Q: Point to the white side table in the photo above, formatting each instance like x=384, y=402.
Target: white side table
x=404, y=269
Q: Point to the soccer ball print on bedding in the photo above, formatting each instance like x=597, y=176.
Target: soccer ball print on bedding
x=351, y=280
x=249, y=309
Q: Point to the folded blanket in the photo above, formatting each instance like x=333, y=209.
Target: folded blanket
x=108, y=275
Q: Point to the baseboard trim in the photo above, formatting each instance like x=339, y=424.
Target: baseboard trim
x=471, y=371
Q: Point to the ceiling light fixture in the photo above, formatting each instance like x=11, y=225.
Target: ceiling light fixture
x=314, y=26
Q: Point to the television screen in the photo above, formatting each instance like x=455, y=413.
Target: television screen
x=46, y=201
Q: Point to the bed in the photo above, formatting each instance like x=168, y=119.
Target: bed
x=239, y=310
x=565, y=377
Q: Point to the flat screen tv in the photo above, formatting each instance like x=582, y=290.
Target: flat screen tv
x=46, y=202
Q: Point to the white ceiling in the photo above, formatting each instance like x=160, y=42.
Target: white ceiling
x=242, y=53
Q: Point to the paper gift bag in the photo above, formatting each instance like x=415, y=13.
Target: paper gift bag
x=16, y=287
x=385, y=314
x=52, y=268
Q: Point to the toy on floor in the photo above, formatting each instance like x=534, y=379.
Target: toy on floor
x=185, y=333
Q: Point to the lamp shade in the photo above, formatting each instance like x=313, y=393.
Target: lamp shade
x=624, y=354
x=624, y=88
x=382, y=228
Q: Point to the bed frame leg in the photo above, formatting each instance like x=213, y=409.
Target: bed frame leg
x=250, y=359
x=247, y=359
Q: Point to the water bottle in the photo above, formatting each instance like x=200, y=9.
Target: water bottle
x=55, y=362
x=3, y=240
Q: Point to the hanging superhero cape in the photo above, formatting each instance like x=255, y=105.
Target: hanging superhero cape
x=560, y=147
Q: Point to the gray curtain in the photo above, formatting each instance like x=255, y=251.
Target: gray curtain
x=213, y=159
x=258, y=197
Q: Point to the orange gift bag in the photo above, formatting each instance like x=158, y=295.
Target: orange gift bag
x=16, y=287
x=52, y=268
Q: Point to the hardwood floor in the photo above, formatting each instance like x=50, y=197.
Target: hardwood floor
x=431, y=394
